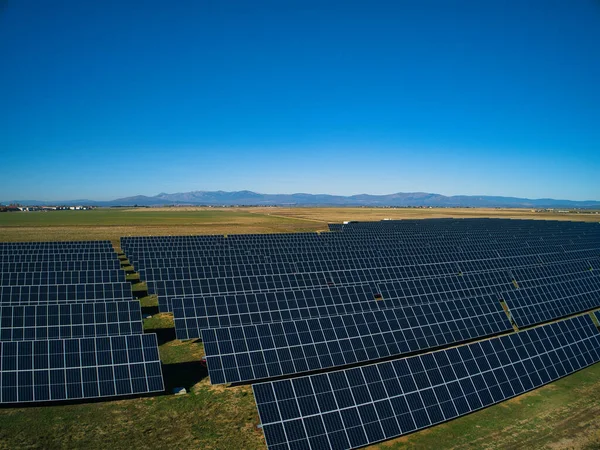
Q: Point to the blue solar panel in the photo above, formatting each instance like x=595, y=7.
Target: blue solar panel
x=30, y=295
x=263, y=351
x=70, y=320
x=360, y=406
x=62, y=277
x=71, y=369
x=544, y=303
x=60, y=266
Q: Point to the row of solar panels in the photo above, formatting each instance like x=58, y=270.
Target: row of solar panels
x=57, y=245
x=74, y=369
x=367, y=255
x=70, y=320
x=56, y=257
x=242, y=353
x=339, y=238
x=404, y=249
x=389, y=281
x=406, y=265
x=336, y=269
x=76, y=356
x=61, y=293
x=425, y=290
x=444, y=245
x=58, y=251
x=60, y=266
x=62, y=277
x=364, y=405
x=195, y=261
x=211, y=258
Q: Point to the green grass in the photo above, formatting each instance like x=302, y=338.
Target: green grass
x=159, y=321
x=106, y=217
x=205, y=418
x=149, y=300
x=133, y=277
x=112, y=224
x=120, y=217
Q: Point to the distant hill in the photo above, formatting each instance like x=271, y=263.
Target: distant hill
x=400, y=199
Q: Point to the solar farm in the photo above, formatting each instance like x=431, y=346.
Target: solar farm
x=344, y=338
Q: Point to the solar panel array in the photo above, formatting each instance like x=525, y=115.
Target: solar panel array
x=255, y=352
x=73, y=369
x=69, y=326
x=284, y=305
x=360, y=406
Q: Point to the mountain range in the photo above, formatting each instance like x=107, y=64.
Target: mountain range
x=249, y=198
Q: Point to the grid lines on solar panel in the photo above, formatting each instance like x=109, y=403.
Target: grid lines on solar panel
x=245, y=309
x=58, y=244
x=288, y=263
x=287, y=348
x=154, y=260
x=56, y=257
x=366, y=249
x=60, y=266
x=543, y=303
x=65, y=293
x=429, y=289
x=62, y=277
x=201, y=312
x=71, y=320
x=58, y=251
x=71, y=369
x=175, y=281
x=405, y=267
x=359, y=406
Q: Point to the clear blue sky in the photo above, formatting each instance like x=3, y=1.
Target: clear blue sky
x=103, y=99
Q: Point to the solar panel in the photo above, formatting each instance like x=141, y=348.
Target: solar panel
x=271, y=350
x=479, y=284
x=401, y=267
x=57, y=251
x=70, y=369
x=437, y=278
x=71, y=320
x=65, y=293
x=278, y=306
x=360, y=406
x=62, y=277
x=543, y=303
x=375, y=248
x=246, y=309
x=60, y=266
x=57, y=257
x=57, y=244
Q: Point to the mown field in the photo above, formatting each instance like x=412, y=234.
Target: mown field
x=562, y=415
x=109, y=223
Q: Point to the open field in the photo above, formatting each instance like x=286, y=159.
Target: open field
x=111, y=224
x=338, y=215
x=562, y=415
